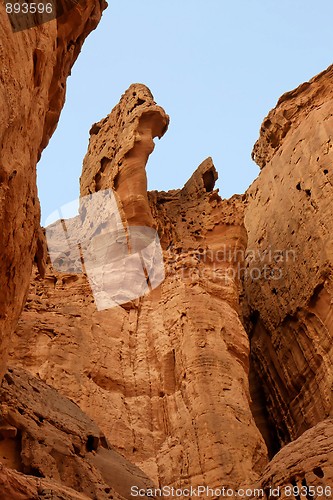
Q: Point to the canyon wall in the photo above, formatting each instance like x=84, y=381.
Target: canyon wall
x=34, y=65
x=169, y=376
x=48, y=447
x=223, y=358
x=290, y=238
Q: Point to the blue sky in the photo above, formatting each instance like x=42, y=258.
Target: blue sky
x=216, y=66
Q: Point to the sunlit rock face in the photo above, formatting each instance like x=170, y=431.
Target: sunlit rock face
x=119, y=148
x=165, y=375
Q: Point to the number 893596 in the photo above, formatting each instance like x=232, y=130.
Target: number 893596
x=29, y=8
x=308, y=491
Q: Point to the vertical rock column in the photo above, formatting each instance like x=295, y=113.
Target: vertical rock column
x=119, y=149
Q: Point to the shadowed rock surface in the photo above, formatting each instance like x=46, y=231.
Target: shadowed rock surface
x=289, y=224
x=34, y=65
x=45, y=435
x=305, y=463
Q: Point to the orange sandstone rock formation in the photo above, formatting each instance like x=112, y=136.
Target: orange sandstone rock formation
x=169, y=376
x=45, y=435
x=34, y=65
x=165, y=376
x=290, y=231
x=305, y=465
x=119, y=149
x=167, y=366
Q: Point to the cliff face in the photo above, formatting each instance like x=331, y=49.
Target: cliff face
x=165, y=376
x=34, y=65
x=290, y=226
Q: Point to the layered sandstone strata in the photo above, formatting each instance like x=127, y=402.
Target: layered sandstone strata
x=165, y=375
x=34, y=65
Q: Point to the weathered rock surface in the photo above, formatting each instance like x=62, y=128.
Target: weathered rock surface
x=290, y=238
x=168, y=376
x=17, y=486
x=165, y=376
x=119, y=149
x=34, y=65
x=44, y=435
x=305, y=465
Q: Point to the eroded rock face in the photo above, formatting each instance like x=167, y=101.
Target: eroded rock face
x=45, y=435
x=165, y=376
x=22, y=487
x=114, y=232
x=119, y=148
x=34, y=65
x=290, y=226
x=305, y=465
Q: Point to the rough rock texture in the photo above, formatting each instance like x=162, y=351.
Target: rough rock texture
x=306, y=463
x=168, y=377
x=164, y=376
x=119, y=148
x=290, y=238
x=17, y=486
x=177, y=396
x=34, y=65
x=43, y=434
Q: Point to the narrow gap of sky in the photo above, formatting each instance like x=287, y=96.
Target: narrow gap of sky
x=217, y=67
